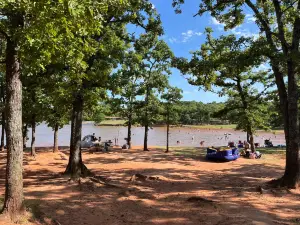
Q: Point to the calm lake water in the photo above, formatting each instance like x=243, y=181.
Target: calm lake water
x=157, y=136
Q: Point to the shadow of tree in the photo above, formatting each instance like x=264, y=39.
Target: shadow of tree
x=231, y=187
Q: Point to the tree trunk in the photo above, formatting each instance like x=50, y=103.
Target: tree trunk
x=75, y=167
x=14, y=198
x=2, y=131
x=55, y=147
x=129, y=131
x=146, y=120
x=251, y=139
x=3, y=116
x=146, y=138
x=248, y=137
x=33, y=126
x=24, y=133
x=168, y=128
x=291, y=177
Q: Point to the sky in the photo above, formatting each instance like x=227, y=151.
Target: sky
x=184, y=33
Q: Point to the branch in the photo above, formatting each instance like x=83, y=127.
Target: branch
x=287, y=8
x=216, y=6
x=296, y=32
x=278, y=11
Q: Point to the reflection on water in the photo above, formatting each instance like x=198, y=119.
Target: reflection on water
x=157, y=136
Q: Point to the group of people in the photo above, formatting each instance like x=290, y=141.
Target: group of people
x=246, y=150
x=97, y=142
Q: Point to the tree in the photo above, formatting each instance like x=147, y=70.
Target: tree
x=279, y=23
x=126, y=83
x=228, y=64
x=35, y=31
x=109, y=47
x=56, y=102
x=156, y=63
x=172, y=96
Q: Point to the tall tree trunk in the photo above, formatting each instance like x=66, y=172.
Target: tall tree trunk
x=2, y=116
x=33, y=126
x=291, y=177
x=14, y=198
x=168, y=129
x=146, y=138
x=248, y=137
x=146, y=120
x=55, y=147
x=75, y=167
x=24, y=133
x=2, y=131
x=251, y=139
x=129, y=130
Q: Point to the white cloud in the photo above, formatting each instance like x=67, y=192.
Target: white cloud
x=173, y=40
x=214, y=21
x=244, y=32
x=184, y=37
x=190, y=92
x=250, y=18
x=220, y=26
x=189, y=34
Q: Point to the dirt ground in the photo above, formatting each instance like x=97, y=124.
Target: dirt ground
x=189, y=189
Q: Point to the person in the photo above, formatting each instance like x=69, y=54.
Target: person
x=107, y=144
x=99, y=139
x=94, y=137
x=257, y=154
x=201, y=143
x=246, y=145
x=231, y=144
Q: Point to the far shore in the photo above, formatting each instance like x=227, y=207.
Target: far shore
x=201, y=126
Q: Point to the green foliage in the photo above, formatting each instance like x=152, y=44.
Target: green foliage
x=171, y=110
x=155, y=68
x=227, y=63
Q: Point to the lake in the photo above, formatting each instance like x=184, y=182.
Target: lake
x=157, y=135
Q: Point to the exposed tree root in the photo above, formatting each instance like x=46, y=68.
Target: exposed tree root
x=282, y=182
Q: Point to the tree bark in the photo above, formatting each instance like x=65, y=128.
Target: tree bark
x=252, y=146
x=146, y=120
x=14, y=198
x=3, y=116
x=24, y=134
x=248, y=137
x=33, y=127
x=75, y=167
x=291, y=177
x=55, y=146
x=2, y=131
x=168, y=129
x=129, y=130
x=146, y=138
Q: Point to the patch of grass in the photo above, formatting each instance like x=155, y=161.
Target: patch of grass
x=208, y=126
x=195, y=151
x=278, y=151
x=188, y=151
x=112, y=123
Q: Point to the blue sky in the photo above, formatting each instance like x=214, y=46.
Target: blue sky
x=184, y=33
